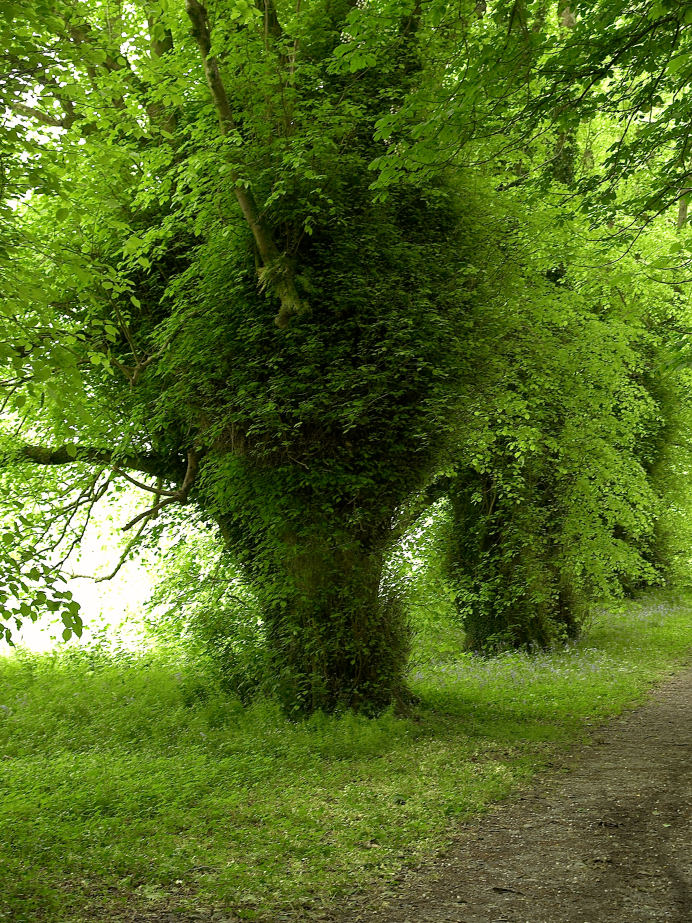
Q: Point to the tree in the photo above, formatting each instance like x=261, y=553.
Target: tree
x=249, y=275
x=565, y=102
x=554, y=495
x=213, y=304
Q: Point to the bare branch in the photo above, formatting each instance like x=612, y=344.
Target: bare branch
x=180, y=496
x=121, y=560
x=158, y=490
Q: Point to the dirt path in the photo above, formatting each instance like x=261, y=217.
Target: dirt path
x=610, y=840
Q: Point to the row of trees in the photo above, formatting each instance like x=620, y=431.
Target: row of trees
x=309, y=268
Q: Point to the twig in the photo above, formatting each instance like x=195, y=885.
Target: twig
x=179, y=496
x=159, y=491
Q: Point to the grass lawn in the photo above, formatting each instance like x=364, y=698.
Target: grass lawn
x=134, y=783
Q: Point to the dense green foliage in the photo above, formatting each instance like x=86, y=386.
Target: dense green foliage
x=559, y=491
x=310, y=269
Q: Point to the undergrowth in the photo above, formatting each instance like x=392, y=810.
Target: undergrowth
x=136, y=782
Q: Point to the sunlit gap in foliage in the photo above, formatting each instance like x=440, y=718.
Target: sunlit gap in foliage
x=112, y=610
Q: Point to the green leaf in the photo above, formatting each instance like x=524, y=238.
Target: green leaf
x=679, y=62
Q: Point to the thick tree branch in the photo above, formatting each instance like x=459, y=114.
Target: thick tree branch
x=45, y=118
x=154, y=465
x=272, y=26
x=161, y=44
x=274, y=273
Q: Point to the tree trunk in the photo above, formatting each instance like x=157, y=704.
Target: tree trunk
x=683, y=208
x=336, y=638
x=505, y=570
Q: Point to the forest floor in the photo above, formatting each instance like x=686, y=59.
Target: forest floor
x=134, y=789
x=604, y=836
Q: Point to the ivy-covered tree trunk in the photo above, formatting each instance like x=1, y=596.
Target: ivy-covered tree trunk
x=336, y=639
x=312, y=538
x=505, y=570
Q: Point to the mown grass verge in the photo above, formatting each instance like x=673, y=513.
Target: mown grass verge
x=132, y=785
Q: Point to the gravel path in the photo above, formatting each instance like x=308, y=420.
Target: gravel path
x=610, y=840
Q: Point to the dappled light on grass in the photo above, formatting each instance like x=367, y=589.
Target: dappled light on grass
x=134, y=779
